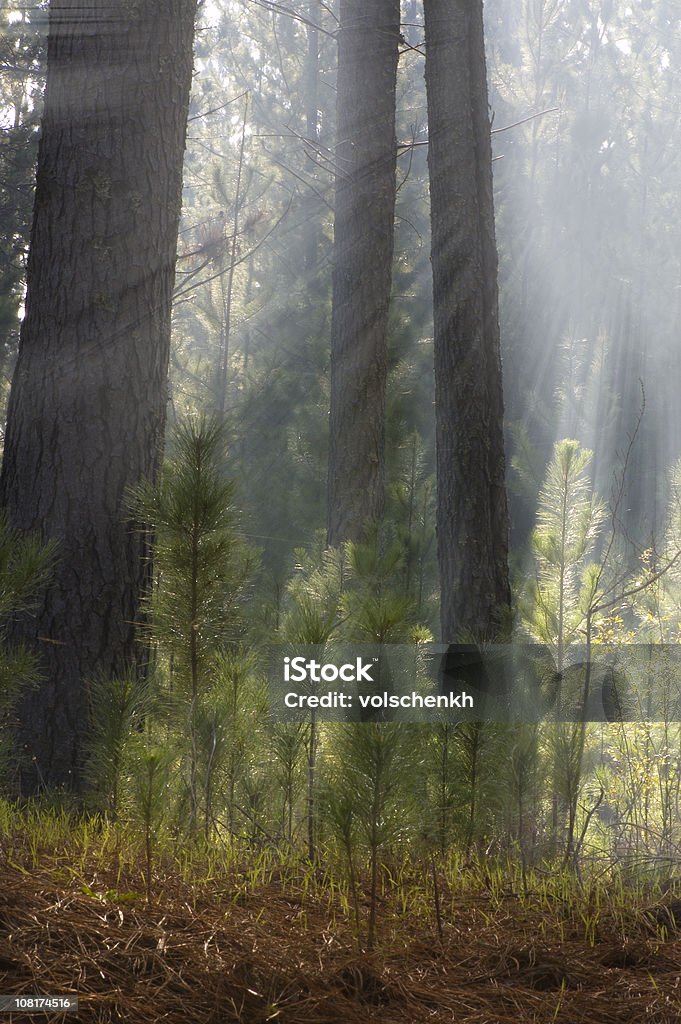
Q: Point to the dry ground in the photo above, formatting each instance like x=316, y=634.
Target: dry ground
x=229, y=951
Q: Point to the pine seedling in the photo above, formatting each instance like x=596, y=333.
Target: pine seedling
x=234, y=714
x=375, y=607
x=557, y=608
x=119, y=707
x=287, y=745
x=203, y=567
x=313, y=618
x=569, y=522
x=148, y=783
x=443, y=795
x=378, y=762
x=337, y=803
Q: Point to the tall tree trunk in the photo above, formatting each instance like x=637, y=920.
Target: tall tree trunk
x=368, y=44
x=472, y=517
x=311, y=228
x=87, y=407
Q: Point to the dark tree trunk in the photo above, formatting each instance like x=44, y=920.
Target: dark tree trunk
x=472, y=519
x=368, y=45
x=87, y=407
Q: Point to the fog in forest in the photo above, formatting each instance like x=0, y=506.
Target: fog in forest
x=585, y=104
x=587, y=195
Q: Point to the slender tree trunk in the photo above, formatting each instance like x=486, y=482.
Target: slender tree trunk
x=472, y=518
x=194, y=675
x=311, y=230
x=311, y=790
x=373, y=895
x=228, y=294
x=87, y=407
x=368, y=44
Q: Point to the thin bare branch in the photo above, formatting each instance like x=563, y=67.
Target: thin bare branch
x=524, y=120
x=214, y=110
x=287, y=12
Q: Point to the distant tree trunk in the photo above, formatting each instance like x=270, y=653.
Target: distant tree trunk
x=87, y=407
x=368, y=45
x=311, y=229
x=472, y=518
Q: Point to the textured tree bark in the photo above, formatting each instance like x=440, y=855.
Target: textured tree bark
x=368, y=45
x=87, y=407
x=472, y=517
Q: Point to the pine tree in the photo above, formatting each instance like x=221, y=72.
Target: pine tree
x=87, y=406
x=570, y=520
x=366, y=154
x=472, y=518
x=203, y=567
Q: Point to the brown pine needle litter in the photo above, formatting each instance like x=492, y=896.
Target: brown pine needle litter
x=200, y=955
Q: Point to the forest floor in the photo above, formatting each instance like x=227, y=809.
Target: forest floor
x=256, y=949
